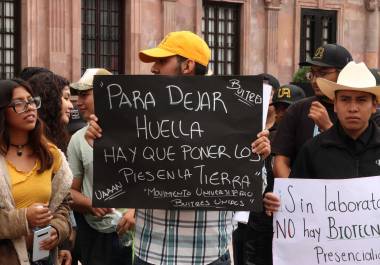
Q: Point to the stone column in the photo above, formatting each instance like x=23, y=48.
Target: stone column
x=372, y=34
x=198, y=17
x=169, y=16
x=51, y=36
x=245, y=44
x=132, y=36
x=64, y=27
x=75, y=43
x=272, y=8
x=35, y=33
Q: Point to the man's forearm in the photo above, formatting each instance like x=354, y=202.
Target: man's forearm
x=81, y=203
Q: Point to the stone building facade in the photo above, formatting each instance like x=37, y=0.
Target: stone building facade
x=254, y=36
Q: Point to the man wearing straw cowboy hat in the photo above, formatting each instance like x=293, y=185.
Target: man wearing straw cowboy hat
x=351, y=147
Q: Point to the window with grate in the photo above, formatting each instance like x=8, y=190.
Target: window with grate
x=102, y=35
x=9, y=38
x=220, y=29
x=318, y=27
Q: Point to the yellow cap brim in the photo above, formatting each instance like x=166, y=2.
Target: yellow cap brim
x=150, y=55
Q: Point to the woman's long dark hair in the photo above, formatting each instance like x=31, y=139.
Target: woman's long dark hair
x=49, y=87
x=37, y=140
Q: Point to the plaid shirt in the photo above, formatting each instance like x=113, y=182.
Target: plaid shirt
x=182, y=236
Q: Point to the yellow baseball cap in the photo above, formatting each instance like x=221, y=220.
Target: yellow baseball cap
x=183, y=43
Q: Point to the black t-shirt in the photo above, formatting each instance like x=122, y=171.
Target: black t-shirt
x=296, y=127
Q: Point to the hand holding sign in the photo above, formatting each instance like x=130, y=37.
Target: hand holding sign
x=127, y=222
x=93, y=131
x=271, y=203
x=261, y=145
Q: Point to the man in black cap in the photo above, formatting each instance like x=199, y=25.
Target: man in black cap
x=310, y=116
x=285, y=96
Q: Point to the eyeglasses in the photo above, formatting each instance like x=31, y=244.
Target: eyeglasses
x=314, y=74
x=21, y=106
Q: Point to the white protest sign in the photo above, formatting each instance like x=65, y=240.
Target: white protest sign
x=243, y=216
x=327, y=222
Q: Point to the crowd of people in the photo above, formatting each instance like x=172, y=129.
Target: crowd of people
x=46, y=163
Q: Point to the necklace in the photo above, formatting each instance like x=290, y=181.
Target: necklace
x=19, y=147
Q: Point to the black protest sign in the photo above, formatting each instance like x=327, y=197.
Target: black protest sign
x=178, y=142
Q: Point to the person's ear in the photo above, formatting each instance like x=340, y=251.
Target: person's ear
x=375, y=104
x=188, y=67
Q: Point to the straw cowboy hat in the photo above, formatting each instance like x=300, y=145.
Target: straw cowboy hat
x=355, y=77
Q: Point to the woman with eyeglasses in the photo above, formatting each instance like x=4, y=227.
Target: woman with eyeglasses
x=35, y=179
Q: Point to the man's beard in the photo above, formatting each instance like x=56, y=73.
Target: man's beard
x=179, y=70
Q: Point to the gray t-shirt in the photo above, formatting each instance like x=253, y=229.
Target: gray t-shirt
x=80, y=157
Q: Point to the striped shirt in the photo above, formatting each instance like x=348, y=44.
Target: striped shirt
x=182, y=236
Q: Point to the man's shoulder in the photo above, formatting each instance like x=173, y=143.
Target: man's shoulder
x=78, y=136
x=80, y=133
x=375, y=136
x=77, y=142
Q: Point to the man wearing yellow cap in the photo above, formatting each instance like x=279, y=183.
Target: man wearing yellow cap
x=172, y=236
x=182, y=236
x=179, y=53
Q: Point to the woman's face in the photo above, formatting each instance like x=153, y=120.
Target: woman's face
x=67, y=106
x=25, y=121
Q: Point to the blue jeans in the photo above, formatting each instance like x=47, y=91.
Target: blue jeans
x=223, y=260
